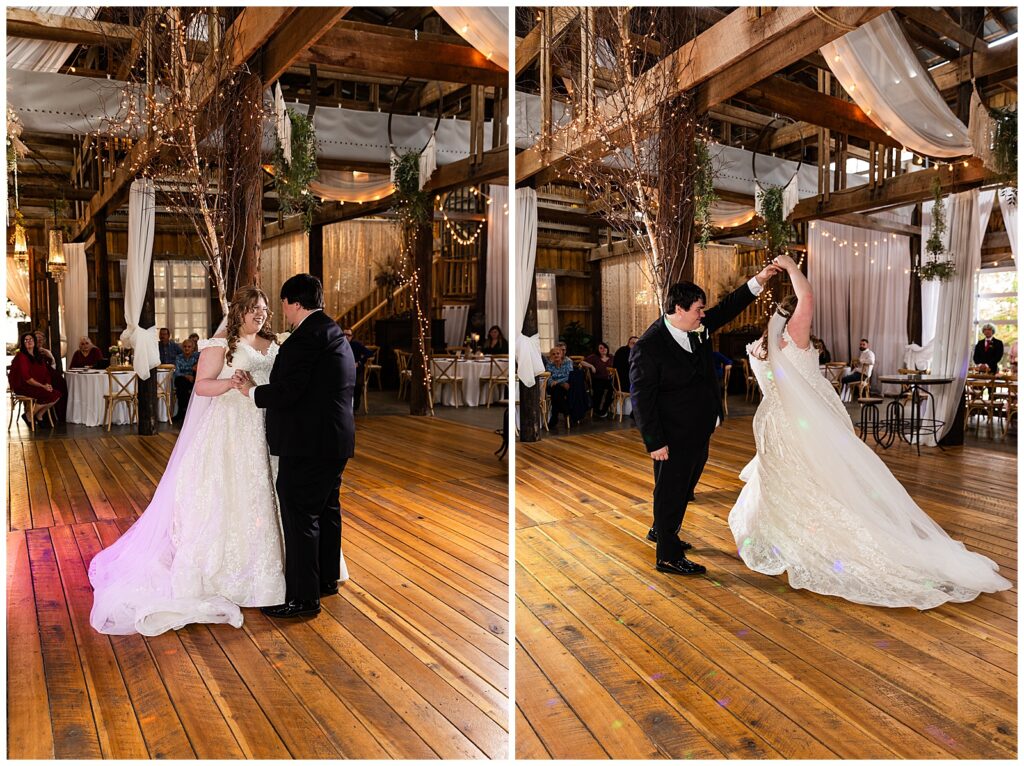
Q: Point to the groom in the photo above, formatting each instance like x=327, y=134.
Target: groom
x=678, y=404
x=311, y=428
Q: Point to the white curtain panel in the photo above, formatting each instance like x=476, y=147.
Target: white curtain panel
x=496, y=297
x=728, y=215
x=75, y=298
x=829, y=272
x=17, y=286
x=1009, y=211
x=883, y=75
x=951, y=350
x=141, y=228
x=529, y=362
x=628, y=302
x=40, y=55
x=348, y=186
x=455, y=319
x=283, y=123
x=486, y=29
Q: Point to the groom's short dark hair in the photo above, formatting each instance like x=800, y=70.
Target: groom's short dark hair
x=684, y=294
x=304, y=289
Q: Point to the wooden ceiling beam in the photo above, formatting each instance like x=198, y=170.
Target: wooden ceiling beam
x=925, y=39
x=780, y=95
x=998, y=63
x=54, y=27
x=901, y=190
x=305, y=27
x=733, y=55
x=367, y=48
x=862, y=221
x=941, y=23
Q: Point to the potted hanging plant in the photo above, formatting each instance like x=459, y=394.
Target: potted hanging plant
x=936, y=267
x=292, y=179
x=1004, y=148
x=704, y=196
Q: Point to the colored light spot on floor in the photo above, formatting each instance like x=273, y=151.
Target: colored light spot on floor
x=803, y=423
x=553, y=702
x=742, y=633
x=747, y=542
x=657, y=676
x=882, y=644
x=725, y=702
x=616, y=724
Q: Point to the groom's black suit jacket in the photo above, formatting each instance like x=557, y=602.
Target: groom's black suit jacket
x=309, y=396
x=676, y=395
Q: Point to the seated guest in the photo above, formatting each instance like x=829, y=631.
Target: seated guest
x=495, y=342
x=169, y=350
x=558, y=386
x=361, y=354
x=989, y=350
x=600, y=379
x=863, y=364
x=824, y=357
x=194, y=337
x=31, y=376
x=185, y=375
x=87, y=355
x=56, y=376
x=621, y=362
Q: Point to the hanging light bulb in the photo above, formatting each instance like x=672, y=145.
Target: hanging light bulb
x=56, y=263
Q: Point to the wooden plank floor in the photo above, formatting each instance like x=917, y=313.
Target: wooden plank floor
x=410, y=660
x=616, y=660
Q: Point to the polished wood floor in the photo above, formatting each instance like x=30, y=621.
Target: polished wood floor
x=410, y=660
x=616, y=660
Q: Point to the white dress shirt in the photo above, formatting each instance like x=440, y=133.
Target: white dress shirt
x=867, y=357
x=682, y=337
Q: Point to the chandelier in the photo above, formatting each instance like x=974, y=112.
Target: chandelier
x=56, y=263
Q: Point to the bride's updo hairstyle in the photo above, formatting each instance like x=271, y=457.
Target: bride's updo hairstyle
x=785, y=308
x=242, y=302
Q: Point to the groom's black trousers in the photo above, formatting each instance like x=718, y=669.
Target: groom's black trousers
x=674, y=482
x=307, y=488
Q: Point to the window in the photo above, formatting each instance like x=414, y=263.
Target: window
x=995, y=302
x=182, y=297
x=547, y=311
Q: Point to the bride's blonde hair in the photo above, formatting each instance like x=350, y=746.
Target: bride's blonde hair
x=785, y=307
x=242, y=302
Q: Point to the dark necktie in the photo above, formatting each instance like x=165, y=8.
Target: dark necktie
x=694, y=340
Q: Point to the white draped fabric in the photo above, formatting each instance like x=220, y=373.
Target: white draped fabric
x=455, y=319
x=348, y=186
x=1009, y=211
x=486, y=29
x=17, y=286
x=283, y=123
x=967, y=215
x=141, y=228
x=728, y=215
x=41, y=55
x=861, y=281
x=75, y=298
x=529, y=362
x=496, y=298
x=883, y=75
x=628, y=302
x=63, y=103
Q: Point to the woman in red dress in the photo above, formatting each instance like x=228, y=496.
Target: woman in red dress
x=30, y=376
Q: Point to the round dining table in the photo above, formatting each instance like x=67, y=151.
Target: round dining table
x=86, y=405
x=472, y=372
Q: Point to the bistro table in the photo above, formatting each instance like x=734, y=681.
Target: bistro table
x=912, y=429
x=85, y=397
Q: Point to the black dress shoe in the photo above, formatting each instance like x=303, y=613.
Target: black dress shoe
x=293, y=608
x=693, y=498
x=653, y=537
x=329, y=590
x=681, y=566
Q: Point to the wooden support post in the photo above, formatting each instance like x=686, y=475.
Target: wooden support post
x=53, y=329
x=316, y=251
x=546, y=34
x=423, y=256
x=102, y=279
x=914, y=299
x=243, y=229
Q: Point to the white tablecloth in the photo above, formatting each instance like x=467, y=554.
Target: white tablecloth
x=473, y=391
x=85, y=398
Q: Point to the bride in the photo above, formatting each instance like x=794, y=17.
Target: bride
x=210, y=540
x=821, y=505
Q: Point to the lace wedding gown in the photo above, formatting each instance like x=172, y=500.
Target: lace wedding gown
x=210, y=540
x=820, y=505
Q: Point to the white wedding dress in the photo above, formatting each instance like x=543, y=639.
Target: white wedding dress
x=820, y=505
x=210, y=540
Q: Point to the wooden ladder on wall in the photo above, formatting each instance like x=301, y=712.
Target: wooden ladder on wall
x=375, y=305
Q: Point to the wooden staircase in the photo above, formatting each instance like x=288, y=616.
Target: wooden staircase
x=361, y=316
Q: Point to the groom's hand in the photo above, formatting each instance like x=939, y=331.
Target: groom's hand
x=767, y=273
x=660, y=454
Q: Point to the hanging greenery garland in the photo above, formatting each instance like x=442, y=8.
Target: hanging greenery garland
x=775, y=230
x=936, y=267
x=414, y=205
x=292, y=179
x=1004, y=148
x=704, y=196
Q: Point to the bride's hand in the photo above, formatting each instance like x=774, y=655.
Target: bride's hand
x=785, y=262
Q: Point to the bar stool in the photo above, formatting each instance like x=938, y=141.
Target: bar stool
x=869, y=415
